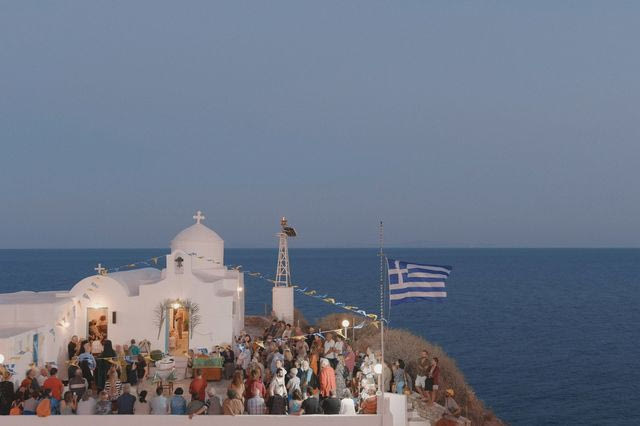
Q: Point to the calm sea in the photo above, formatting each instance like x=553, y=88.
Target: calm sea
x=543, y=336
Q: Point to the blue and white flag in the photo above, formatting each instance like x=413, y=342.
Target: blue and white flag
x=413, y=282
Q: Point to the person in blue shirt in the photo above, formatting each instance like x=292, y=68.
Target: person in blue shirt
x=86, y=356
x=134, y=350
x=178, y=403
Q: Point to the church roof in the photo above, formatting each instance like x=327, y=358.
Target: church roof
x=132, y=280
x=10, y=331
x=197, y=233
x=208, y=276
x=33, y=297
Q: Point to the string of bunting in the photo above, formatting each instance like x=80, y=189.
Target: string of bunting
x=306, y=291
x=152, y=261
x=320, y=334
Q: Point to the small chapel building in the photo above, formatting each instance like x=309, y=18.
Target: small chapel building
x=195, y=302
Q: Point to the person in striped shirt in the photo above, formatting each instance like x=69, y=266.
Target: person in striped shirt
x=113, y=385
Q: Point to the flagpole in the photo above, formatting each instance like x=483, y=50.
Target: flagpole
x=381, y=235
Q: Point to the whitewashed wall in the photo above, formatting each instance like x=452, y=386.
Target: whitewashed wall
x=359, y=420
x=394, y=413
x=394, y=409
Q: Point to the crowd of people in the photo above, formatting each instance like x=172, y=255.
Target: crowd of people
x=283, y=371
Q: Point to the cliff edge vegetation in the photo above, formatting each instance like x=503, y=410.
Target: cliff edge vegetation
x=401, y=344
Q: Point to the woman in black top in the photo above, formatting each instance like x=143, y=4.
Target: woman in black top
x=7, y=394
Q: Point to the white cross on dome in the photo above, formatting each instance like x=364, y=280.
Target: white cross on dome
x=199, y=216
x=100, y=269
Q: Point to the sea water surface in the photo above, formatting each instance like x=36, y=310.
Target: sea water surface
x=544, y=336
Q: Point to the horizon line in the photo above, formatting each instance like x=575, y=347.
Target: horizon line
x=355, y=248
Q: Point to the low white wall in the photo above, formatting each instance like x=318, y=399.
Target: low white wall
x=394, y=409
x=246, y=420
x=394, y=413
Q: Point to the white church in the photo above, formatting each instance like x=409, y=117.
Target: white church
x=195, y=302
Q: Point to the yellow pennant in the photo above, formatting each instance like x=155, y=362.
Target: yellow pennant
x=330, y=300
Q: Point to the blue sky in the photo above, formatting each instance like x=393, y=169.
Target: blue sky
x=465, y=124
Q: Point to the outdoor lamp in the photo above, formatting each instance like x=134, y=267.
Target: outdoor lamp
x=345, y=325
x=377, y=368
x=1, y=358
x=176, y=305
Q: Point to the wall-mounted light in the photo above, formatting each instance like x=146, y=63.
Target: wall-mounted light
x=176, y=305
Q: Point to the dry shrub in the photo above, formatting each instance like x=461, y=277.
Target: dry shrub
x=299, y=320
x=334, y=322
x=256, y=323
x=401, y=344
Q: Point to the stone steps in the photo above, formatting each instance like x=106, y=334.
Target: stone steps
x=414, y=419
x=430, y=413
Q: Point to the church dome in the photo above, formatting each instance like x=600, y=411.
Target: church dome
x=202, y=242
x=198, y=232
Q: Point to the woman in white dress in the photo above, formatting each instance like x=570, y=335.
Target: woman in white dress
x=347, y=405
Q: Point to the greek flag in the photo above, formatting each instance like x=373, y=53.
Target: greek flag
x=413, y=282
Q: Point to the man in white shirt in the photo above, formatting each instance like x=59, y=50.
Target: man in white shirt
x=330, y=352
x=87, y=404
x=339, y=345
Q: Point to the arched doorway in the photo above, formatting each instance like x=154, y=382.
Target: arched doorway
x=178, y=328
